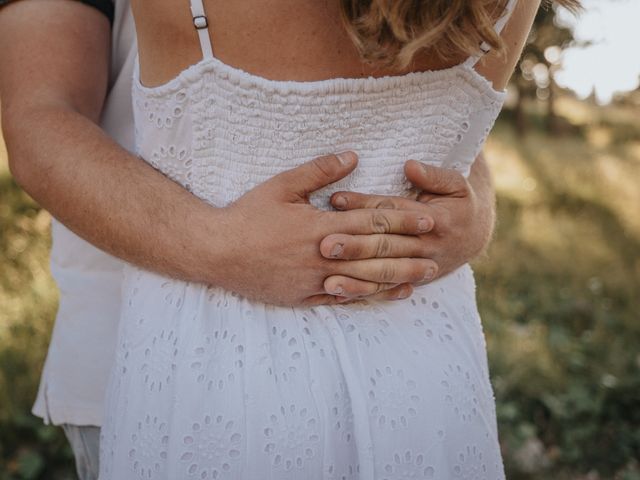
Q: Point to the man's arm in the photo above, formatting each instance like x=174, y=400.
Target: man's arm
x=52, y=84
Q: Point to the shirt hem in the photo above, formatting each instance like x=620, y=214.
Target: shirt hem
x=80, y=416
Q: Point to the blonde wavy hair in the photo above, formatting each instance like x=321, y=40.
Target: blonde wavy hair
x=390, y=32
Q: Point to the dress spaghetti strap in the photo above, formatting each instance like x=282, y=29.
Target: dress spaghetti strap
x=498, y=27
x=201, y=24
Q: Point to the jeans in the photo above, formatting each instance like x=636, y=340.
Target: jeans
x=85, y=443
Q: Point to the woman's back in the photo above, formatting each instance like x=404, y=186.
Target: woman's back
x=301, y=40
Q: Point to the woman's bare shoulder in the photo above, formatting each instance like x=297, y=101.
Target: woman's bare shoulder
x=499, y=68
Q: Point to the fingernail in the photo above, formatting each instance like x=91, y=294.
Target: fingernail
x=424, y=224
x=431, y=272
x=404, y=293
x=337, y=250
x=340, y=202
x=346, y=158
x=337, y=291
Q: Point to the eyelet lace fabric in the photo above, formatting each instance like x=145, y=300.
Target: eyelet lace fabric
x=210, y=385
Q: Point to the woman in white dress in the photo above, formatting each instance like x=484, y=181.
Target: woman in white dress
x=209, y=384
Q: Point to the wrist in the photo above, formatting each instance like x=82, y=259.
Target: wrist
x=206, y=245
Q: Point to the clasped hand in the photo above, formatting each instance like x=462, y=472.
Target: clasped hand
x=282, y=250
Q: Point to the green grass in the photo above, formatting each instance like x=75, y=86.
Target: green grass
x=558, y=292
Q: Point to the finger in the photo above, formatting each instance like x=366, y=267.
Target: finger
x=367, y=221
x=343, y=286
x=299, y=182
x=324, y=299
x=359, y=247
x=353, y=200
x=389, y=270
x=436, y=180
x=397, y=293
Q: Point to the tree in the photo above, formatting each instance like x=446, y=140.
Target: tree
x=534, y=77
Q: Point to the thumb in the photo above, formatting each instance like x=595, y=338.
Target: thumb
x=315, y=174
x=436, y=180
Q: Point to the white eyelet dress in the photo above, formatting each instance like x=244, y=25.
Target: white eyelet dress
x=210, y=385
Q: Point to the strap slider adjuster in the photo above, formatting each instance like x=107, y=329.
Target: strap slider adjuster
x=200, y=22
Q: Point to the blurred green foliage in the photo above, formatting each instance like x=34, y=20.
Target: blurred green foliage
x=558, y=292
x=28, y=299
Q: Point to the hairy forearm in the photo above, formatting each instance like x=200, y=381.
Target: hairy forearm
x=108, y=196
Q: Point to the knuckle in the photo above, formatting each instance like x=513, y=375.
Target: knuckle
x=324, y=167
x=378, y=288
x=385, y=204
x=387, y=272
x=380, y=223
x=383, y=247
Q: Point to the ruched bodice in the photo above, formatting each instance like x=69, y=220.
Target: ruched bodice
x=220, y=131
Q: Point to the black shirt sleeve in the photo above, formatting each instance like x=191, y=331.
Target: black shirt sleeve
x=104, y=6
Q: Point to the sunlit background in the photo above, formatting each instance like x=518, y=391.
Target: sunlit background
x=608, y=62
x=558, y=290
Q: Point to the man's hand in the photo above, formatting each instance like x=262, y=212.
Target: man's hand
x=463, y=211
x=270, y=251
